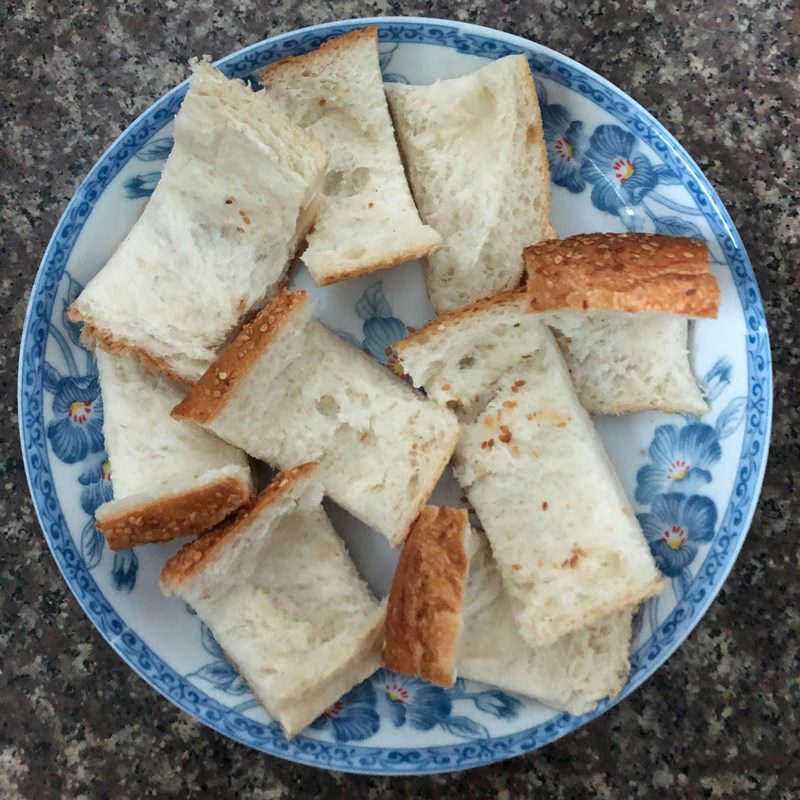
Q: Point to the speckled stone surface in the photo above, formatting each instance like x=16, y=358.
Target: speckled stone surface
x=720, y=720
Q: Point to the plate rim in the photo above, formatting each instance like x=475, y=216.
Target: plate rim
x=451, y=757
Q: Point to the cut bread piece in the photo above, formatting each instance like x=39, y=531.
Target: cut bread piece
x=563, y=533
x=622, y=272
x=618, y=362
x=423, y=617
x=572, y=674
x=368, y=219
x=287, y=390
x=236, y=196
x=170, y=478
x=476, y=160
x=279, y=592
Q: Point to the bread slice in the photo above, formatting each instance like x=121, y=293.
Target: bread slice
x=563, y=533
x=423, y=617
x=572, y=674
x=618, y=362
x=234, y=201
x=622, y=272
x=368, y=219
x=287, y=391
x=170, y=478
x=476, y=160
x=283, y=599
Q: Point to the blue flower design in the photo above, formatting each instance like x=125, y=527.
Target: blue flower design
x=380, y=333
x=566, y=144
x=141, y=185
x=619, y=176
x=97, y=488
x=124, y=569
x=717, y=379
x=353, y=718
x=411, y=701
x=497, y=703
x=674, y=527
x=156, y=149
x=678, y=458
x=77, y=429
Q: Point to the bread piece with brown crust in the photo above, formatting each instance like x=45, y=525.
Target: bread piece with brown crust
x=170, y=478
x=423, y=618
x=280, y=594
x=287, y=391
x=622, y=272
x=368, y=220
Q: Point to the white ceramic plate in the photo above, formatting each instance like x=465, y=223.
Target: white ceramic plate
x=614, y=168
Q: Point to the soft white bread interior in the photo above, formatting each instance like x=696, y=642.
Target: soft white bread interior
x=618, y=362
x=476, y=160
x=287, y=391
x=170, y=477
x=424, y=613
x=283, y=599
x=236, y=196
x=368, y=219
x=564, y=535
x=572, y=674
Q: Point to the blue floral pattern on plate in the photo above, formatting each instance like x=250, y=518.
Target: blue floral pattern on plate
x=681, y=201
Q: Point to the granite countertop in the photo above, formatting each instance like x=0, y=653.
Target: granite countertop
x=721, y=719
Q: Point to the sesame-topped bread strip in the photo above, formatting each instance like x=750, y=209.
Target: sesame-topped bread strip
x=287, y=390
x=170, y=478
x=622, y=272
x=423, y=617
x=280, y=594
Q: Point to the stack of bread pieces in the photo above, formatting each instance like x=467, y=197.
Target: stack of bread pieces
x=192, y=324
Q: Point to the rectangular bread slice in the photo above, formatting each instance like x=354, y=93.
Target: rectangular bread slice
x=476, y=160
x=424, y=614
x=233, y=203
x=287, y=391
x=622, y=272
x=619, y=362
x=283, y=599
x=368, y=220
x=170, y=478
x=564, y=535
x=572, y=674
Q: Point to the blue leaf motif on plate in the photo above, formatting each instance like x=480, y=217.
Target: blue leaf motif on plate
x=464, y=727
x=73, y=329
x=386, y=54
x=373, y=303
x=141, y=185
x=678, y=459
x=156, y=149
x=666, y=176
x=353, y=718
x=210, y=644
x=730, y=418
x=497, y=703
x=77, y=427
x=674, y=526
x=92, y=544
x=717, y=379
x=619, y=175
x=50, y=377
x=124, y=569
x=223, y=677
x=675, y=226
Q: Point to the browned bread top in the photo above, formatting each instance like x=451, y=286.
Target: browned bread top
x=326, y=50
x=197, y=555
x=423, y=618
x=622, y=272
x=210, y=394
